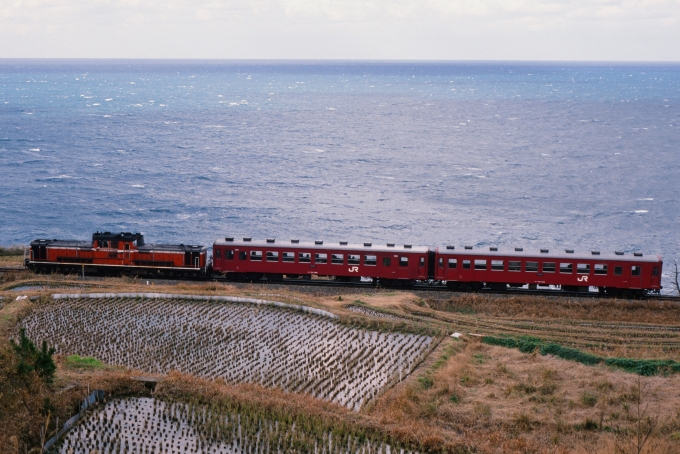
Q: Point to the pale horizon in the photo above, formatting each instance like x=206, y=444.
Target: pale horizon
x=345, y=30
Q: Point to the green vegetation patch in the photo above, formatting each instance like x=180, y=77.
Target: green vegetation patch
x=83, y=362
x=527, y=344
x=11, y=251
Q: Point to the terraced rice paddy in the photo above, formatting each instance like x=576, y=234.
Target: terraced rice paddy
x=151, y=425
x=270, y=346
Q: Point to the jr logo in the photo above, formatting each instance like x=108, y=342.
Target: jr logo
x=583, y=279
x=353, y=269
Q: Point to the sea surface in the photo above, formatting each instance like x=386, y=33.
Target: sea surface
x=533, y=155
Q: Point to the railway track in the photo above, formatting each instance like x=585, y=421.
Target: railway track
x=441, y=289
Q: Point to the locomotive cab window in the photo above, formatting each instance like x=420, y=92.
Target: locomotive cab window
x=370, y=260
x=403, y=261
x=304, y=257
x=480, y=264
x=466, y=264
x=256, y=256
x=453, y=263
x=353, y=259
x=440, y=262
x=422, y=261
x=582, y=268
x=289, y=257
x=566, y=268
x=635, y=270
x=497, y=265
x=387, y=261
x=218, y=254
x=243, y=255
x=514, y=266
x=337, y=259
x=320, y=258
x=549, y=267
x=272, y=256
x=655, y=271
x=532, y=267
x=600, y=268
x=618, y=271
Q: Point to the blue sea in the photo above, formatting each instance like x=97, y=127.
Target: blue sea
x=533, y=155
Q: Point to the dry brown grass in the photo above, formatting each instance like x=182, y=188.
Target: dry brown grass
x=507, y=401
x=541, y=307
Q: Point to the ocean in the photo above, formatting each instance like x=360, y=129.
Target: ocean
x=510, y=154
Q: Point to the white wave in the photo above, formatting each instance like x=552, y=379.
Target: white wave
x=330, y=108
x=96, y=104
x=648, y=198
x=641, y=211
x=138, y=186
x=34, y=149
x=380, y=177
x=108, y=99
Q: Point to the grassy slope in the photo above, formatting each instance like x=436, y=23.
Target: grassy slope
x=492, y=399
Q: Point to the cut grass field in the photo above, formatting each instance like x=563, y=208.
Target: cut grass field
x=466, y=396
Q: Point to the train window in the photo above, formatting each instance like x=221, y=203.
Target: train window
x=466, y=264
x=618, y=271
x=635, y=270
x=114, y=244
x=453, y=263
x=403, y=261
x=583, y=268
x=655, y=271
x=387, y=261
x=229, y=254
x=549, y=267
x=514, y=266
x=370, y=260
x=320, y=258
x=218, y=254
x=304, y=257
x=422, y=261
x=440, y=262
x=243, y=255
x=103, y=244
x=600, y=268
x=337, y=259
x=531, y=267
x=480, y=264
x=353, y=259
x=566, y=268
x=256, y=256
x=272, y=256
x=497, y=265
x=289, y=257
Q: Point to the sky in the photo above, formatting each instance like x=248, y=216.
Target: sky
x=571, y=30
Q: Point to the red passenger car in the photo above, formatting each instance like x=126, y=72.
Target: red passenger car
x=118, y=253
x=390, y=264
x=616, y=274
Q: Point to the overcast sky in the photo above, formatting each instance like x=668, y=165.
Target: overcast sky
x=628, y=30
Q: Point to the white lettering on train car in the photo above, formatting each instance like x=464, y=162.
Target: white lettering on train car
x=583, y=279
x=353, y=269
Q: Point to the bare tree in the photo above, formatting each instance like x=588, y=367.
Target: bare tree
x=636, y=437
x=675, y=281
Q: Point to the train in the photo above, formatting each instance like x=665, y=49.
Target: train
x=387, y=265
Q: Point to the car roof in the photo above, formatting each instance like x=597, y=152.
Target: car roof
x=323, y=245
x=562, y=254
